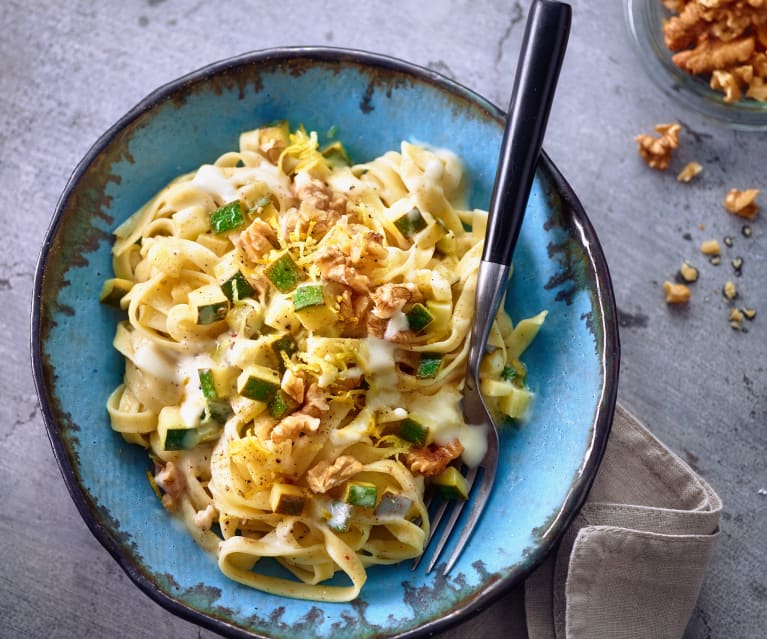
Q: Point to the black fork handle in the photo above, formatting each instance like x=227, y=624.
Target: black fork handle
x=543, y=50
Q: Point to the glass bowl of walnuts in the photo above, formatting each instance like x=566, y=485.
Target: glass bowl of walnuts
x=711, y=55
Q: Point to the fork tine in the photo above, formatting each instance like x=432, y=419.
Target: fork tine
x=434, y=523
x=477, y=506
x=454, y=514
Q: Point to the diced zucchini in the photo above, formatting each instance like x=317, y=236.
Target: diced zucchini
x=429, y=365
x=227, y=218
x=114, y=290
x=224, y=380
x=361, y=494
x=210, y=303
x=285, y=344
x=284, y=273
x=313, y=309
x=451, y=484
x=419, y=317
x=282, y=404
x=411, y=222
x=206, y=383
x=339, y=516
x=208, y=430
x=216, y=412
x=393, y=504
x=414, y=431
x=287, y=499
x=173, y=432
x=237, y=288
x=258, y=383
x=308, y=295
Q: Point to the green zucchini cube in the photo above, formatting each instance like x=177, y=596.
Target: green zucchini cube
x=308, y=295
x=287, y=499
x=258, y=383
x=284, y=273
x=361, y=494
x=282, y=404
x=210, y=303
x=227, y=218
x=419, y=317
x=429, y=365
x=414, y=431
x=451, y=484
x=411, y=222
x=237, y=288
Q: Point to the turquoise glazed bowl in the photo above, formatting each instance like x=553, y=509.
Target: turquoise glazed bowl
x=546, y=465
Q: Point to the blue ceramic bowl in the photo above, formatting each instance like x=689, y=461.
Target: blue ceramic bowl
x=546, y=466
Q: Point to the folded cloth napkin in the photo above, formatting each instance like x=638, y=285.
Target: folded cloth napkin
x=631, y=564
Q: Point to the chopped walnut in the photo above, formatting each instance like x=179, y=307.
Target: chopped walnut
x=170, y=479
x=324, y=475
x=724, y=38
x=390, y=298
x=735, y=317
x=728, y=84
x=742, y=203
x=729, y=290
x=688, y=273
x=433, y=459
x=710, y=55
x=294, y=426
x=352, y=261
x=204, y=519
x=689, y=172
x=315, y=402
x=656, y=151
x=676, y=293
x=257, y=240
x=710, y=247
x=293, y=385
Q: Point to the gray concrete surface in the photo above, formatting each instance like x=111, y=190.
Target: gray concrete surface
x=68, y=69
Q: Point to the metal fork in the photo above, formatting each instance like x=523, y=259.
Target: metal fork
x=540, y=60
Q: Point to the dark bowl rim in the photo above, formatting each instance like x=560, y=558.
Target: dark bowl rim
x=607, y=334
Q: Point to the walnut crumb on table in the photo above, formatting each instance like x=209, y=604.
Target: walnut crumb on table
x=688, y=273
x=656, y=151
x=676, y=293
x=710, y=247
x=742, y=203
x=691, y=170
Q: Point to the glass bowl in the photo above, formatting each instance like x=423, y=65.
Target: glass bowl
x=645, y=19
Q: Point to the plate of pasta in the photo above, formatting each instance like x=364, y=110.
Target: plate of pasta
x=250, y=336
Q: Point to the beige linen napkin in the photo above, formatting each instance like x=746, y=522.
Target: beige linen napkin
x=632, y=562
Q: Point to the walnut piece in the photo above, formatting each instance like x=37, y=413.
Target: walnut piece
x=324, y=475
x=656, y=151
x=676, y=293
x=742, y=203
x=433, y=459
x=294, y=426
x=725, y=39
x=691, y=170
x=710, y=247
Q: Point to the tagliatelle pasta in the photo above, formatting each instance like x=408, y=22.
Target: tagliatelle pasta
x=295, y=347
